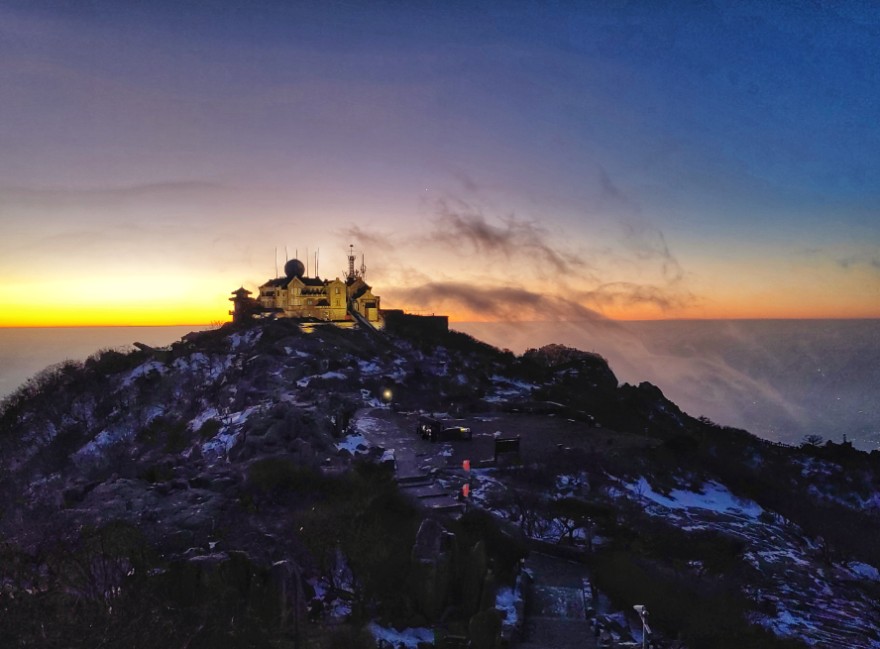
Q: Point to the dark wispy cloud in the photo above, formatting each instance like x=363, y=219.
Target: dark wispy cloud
x=647, y=243
x=617, y=294
x=509, y=303
x=845, y=257
x=461, y=224
x=100, y=196
x=870, y=258
x=575, y=289
x=368, y=238
x=640, y=239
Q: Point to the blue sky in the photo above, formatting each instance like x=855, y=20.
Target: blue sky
x=696, y=159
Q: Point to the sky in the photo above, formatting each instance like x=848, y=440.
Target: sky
x=489, y=160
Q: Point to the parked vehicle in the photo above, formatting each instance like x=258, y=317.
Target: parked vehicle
x=436, y=430
x=456, y=432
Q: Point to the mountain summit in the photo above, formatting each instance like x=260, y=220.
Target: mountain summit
x=262, y=486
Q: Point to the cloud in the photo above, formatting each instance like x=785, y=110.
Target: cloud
x=102, y=196
x=870, y=258
x=631, y=294
x=368, y=238
x=457, y=222
x=467, y=182
x=493, y=251
x=844, y=257
x=700, y=366
x=648, y=243
x=508, y=303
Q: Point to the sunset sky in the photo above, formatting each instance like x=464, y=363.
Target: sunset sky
x=491, y=159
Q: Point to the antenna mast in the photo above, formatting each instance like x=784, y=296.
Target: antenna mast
x=363, y=267
x=351, y=274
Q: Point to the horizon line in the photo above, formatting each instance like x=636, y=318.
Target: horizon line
x=488, y=322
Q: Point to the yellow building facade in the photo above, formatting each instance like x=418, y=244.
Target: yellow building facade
x=342, y=302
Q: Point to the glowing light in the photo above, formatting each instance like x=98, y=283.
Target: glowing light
x=111, y=301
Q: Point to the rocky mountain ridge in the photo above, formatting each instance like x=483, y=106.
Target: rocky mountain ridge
x=204, y=494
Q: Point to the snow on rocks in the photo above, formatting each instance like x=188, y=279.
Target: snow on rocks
x=409, y=638
x=246, y=338
x=143, y=370
x=354, y=444
x=106, y=438
x=509, y=602
x=304, y=382
x=229, y=433
x=505, y=388
x=369, y=368
x=197, y=422
x=826, y=608
x=713, y=496
x=864, y=571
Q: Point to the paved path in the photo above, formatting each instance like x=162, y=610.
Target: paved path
x=555, y=610
x=416, y=460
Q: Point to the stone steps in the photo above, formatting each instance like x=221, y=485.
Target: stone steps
x=557, y=633
x=417, y=479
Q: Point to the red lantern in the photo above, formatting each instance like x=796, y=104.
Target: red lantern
x=465, y=490
x=466, y=465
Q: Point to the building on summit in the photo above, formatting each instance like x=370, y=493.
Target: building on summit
x=346, y=302
x=343, y=302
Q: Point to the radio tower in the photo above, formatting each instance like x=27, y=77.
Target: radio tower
x=352, y=274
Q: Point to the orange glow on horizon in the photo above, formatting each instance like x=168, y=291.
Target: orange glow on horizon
x=167, y=301
x=156, y=301
x=112, y=318
x=203, y=317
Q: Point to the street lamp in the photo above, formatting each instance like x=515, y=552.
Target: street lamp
x=643, y=614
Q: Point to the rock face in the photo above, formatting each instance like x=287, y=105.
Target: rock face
x=433, y=559
x=211, y=495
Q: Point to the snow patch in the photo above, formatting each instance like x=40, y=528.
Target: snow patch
x=304, y=382
x=714, y=497
x=199, y=421
x=245, y=338
x=864, y=570
x=409, y=638
x=352, y=442
x=224, y=440
x=369, y=368
x=509, y=602
x=142, y=370
x=221, y=442
x=101, y=441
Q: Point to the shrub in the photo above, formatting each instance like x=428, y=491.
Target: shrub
x=209, y=428
x=274, y=476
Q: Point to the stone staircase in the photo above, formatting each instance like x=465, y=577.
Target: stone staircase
x=555, y=616
x=423, y=489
